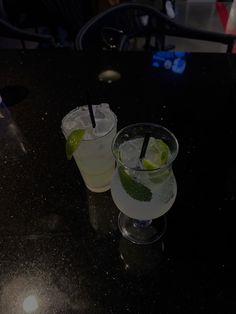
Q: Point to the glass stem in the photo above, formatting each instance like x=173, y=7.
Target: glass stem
x=141, y=223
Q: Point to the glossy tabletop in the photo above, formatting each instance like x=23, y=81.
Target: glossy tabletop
x=60, y=247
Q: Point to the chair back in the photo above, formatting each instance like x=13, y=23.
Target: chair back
x=119, y=27
x=9, y=31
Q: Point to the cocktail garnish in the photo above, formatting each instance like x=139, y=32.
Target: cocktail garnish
x=157, y=154
x=73, y=141
x=135, y=189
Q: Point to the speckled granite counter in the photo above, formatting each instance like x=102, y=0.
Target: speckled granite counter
x=60, y=248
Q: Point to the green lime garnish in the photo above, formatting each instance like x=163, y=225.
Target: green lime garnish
x=73, y=141
x=149, y=165
x=158, y=152
x=156, y=155
x=135, y=189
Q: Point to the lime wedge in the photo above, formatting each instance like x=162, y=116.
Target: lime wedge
x=149, y=165
x=156, y=155
x=135, y=189
x=73, y=141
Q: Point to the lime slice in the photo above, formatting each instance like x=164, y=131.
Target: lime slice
x=149, y=165
x=135, y=189
x=156, y=155
x=73, y=141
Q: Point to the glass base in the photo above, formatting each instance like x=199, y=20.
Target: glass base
x=142, y=231
x=99, y=190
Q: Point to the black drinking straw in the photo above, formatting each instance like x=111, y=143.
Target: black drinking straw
x=91, y=111
x=145, y=145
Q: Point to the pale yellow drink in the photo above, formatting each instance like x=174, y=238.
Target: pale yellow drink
x=93, y=156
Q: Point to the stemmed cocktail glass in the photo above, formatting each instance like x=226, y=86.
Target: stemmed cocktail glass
x=144, y=186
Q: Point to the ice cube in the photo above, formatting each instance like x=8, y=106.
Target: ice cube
x=101, y=110
x=103, y=126
x=84, y=120
x=89, y=134
x=130, y=152
x=79, y=118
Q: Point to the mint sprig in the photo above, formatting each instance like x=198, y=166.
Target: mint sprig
x=135, y=189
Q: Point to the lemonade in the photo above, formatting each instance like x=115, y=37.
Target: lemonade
x=93, y=154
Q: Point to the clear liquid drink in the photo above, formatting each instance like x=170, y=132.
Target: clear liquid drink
x=163, y=196
x=93, y=156
x=143, y=186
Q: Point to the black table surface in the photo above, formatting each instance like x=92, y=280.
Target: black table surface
x=59, y=243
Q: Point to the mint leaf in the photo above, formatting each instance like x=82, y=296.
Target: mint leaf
x=135, y=189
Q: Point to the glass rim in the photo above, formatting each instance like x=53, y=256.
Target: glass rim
x=100, y=137
x=163, y=167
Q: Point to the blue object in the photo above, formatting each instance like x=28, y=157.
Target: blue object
x=171, y=61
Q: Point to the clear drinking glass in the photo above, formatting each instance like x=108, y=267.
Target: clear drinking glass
x=143, y=193
x=93, y=156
